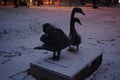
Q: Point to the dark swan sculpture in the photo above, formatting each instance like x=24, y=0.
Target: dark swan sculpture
x=55, y=39
x=75, y=38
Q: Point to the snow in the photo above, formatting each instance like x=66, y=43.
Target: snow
x=21, y=28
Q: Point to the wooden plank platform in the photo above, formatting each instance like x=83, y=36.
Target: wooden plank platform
x=71, y=66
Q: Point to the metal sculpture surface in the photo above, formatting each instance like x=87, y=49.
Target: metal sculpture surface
x=55, y=39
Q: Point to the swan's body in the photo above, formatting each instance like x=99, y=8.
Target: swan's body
x=54, y=40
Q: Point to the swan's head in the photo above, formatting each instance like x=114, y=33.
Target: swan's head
x=77, y=20
x=78, y=10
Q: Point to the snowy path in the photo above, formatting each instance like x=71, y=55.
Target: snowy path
x=20, y=30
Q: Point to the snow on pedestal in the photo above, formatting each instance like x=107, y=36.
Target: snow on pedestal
x=71, y=66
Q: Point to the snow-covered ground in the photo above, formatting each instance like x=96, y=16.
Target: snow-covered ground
x=21, y=28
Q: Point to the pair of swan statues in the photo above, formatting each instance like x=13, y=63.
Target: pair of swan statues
x=55, y=39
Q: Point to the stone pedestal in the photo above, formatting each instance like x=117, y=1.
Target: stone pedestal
x=71, y=66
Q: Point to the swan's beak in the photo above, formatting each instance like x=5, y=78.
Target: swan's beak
x=83, y=13
x=80, y=23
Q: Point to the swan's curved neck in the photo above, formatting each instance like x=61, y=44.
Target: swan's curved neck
x=72, y=24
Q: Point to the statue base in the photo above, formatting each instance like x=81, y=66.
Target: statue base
x=71, y=66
